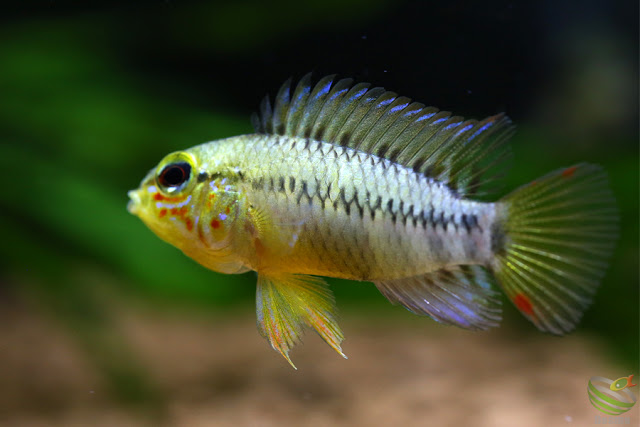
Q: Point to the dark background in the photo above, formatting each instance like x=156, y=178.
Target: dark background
x=93, y=96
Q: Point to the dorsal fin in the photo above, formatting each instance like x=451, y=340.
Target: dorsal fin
x=465, y=154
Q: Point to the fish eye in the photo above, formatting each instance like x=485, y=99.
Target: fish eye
x=174, y=172
x=174, y=175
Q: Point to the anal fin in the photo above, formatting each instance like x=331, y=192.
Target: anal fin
x=456, y=295
x=285, y=303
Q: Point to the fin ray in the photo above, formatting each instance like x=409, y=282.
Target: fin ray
x=457, y=295
x=463, y=154
x=558, y=233
x=295, y=112
x=317, y=101
x=285, y=303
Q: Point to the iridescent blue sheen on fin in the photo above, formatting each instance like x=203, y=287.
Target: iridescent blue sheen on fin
x=463, y=154
x=458, y=295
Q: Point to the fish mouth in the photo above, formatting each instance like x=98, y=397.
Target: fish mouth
x=134, y=202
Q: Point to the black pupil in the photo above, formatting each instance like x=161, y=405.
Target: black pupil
x=175, y=174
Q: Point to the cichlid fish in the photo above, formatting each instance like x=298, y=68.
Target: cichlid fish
x=342, y=180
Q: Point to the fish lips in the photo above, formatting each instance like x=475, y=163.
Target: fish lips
x=134, y=202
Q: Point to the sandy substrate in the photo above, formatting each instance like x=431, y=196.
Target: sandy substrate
x=217, y=371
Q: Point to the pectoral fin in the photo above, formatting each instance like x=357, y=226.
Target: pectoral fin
x=285, y=303
x=458, y=295
x=274, y=234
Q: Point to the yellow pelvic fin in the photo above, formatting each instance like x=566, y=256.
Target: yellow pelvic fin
x=286, y=302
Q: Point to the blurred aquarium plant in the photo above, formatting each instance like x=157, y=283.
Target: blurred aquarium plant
x=81, y=123
x=79, y=129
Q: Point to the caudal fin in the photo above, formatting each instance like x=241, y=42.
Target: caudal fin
x=553, y=244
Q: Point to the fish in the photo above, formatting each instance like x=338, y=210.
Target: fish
x=622, y=383
x=345, y=180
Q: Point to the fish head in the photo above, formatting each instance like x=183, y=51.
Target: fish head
x=165, y=200
x=189, y=205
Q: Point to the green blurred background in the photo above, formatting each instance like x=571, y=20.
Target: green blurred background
x=91, y=97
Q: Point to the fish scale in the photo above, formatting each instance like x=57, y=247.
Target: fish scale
x=354, y=182
x=392, y=257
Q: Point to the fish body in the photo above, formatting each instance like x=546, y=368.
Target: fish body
x=350, y=182
x=341, y=213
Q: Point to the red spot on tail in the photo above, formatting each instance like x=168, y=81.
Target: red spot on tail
x=215, y=223
x=533, y=183
x=188, y=223
x=524, y=304
x=162, y=213
x=568, y=172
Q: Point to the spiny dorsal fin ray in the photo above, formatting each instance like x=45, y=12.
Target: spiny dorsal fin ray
x=299, y=103
x=463, y=154
x=316, y=102
x=325, y=115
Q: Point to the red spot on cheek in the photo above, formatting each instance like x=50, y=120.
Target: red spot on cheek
x=179, y=212
x=215, y=223
x=162, y=213
x=201, y=235
x=568, y=172
x=524, y=304
x=159, y=197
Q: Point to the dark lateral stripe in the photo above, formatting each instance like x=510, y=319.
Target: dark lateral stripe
x=395, y=209
x=343, y=199
x=466, y=223
x=376, y=207
x=258, y=183
x=358, y=205
x=432, y=211
x=452, y=220
x=470, y=222
x=391, y=211
x=302, y=192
